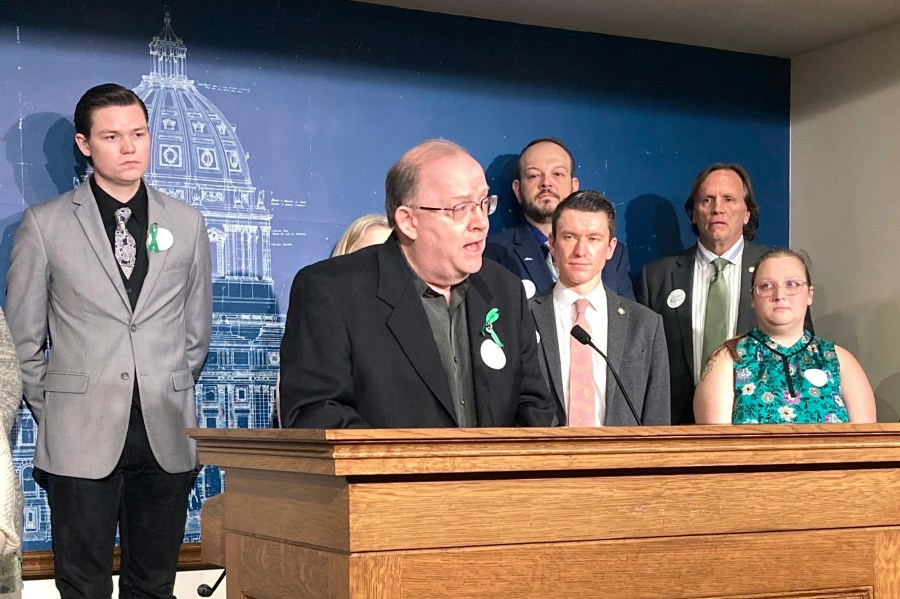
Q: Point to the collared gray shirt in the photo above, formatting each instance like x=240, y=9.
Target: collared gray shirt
x=450, y=329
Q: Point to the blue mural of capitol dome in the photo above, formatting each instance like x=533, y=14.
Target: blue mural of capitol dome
x=197, y=157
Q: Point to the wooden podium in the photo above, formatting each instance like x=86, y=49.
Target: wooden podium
x=808, y=512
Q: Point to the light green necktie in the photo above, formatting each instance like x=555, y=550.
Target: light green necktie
x=715, y=326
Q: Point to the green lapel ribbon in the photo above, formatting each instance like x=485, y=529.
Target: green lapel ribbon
x=153, y=246
x=490, y=318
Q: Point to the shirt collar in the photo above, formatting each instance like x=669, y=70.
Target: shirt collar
x=108, y=204
x=705, y=257
x=565, y=297
x=424, y=290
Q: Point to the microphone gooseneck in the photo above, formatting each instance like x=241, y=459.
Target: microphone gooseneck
x=584, y=338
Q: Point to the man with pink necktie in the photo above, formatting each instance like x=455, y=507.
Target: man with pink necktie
x=583, y=238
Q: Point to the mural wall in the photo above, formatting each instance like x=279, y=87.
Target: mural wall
x=279, y=124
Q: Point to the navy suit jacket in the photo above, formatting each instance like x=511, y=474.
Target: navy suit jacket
x=358, y=349
x=519, y=251
x=636, y=346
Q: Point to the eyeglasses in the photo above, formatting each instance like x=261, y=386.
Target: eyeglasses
x=767, y=289
x=464, y=209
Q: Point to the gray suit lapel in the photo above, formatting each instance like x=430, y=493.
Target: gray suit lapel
x=616, y=317
x=156, y=213
x=545, y=321
x=88, y=216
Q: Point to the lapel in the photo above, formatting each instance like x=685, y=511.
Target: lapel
x=479, y=300
x=545, y=321
x=682, y=277
x=156, y=213
x=746, y=317
x=88, y=216
x=532, y=256
x=409, y=323
x=616, y=319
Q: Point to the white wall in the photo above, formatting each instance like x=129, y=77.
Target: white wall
x=845, y=198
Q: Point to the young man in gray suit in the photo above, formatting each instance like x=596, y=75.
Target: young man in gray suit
x=582, y=239
x=118, y=275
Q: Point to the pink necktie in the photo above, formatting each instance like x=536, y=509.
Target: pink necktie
x=581, y=375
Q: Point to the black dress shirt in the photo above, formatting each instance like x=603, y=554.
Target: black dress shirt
x=450, y=329
x=136, y=225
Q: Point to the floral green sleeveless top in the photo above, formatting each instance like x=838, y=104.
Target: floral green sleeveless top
x=787, y=385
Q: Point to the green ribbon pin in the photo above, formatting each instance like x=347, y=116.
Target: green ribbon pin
x=153, y=246
x=490, y=318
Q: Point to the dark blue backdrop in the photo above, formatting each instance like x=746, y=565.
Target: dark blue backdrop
x=326, y=95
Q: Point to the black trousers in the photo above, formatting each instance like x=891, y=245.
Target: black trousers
x=148, y=504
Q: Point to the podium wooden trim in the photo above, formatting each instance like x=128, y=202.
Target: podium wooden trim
x=806, y=512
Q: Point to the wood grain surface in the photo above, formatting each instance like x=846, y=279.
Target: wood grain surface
x=793, y=512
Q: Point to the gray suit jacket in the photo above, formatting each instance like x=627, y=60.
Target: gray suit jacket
x=636, y=347
x=658, y=280
x=64, y=281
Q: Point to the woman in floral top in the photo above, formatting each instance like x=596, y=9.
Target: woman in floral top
x=779, y=373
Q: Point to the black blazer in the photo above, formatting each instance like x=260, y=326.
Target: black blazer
x=358, y=349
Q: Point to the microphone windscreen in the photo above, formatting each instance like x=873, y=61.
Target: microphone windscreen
x=582, y=336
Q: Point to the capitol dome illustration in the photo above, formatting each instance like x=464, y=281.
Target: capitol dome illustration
x=196, y=156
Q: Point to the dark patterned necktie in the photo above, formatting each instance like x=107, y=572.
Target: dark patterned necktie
x=125, y=248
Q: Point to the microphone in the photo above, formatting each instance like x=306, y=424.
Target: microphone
x=204, y=590
x=584, y=338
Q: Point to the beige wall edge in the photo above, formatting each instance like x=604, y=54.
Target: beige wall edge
x=845, y=175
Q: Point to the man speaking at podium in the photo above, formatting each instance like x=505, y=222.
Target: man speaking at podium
x=419, y=331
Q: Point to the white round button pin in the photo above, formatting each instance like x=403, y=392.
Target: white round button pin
x=164, y=239
x=492, y=355
x=816, y=377
x=676, y=298
x=530, y=289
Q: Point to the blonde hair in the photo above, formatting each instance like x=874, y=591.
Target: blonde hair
x=355, y=231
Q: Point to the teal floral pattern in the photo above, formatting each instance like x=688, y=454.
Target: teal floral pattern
x=787, y=385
